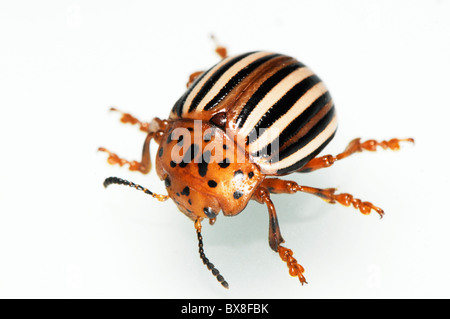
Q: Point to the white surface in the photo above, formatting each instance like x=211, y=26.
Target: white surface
x=63, y=63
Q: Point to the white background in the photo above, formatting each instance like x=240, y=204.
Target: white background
x=63, y=63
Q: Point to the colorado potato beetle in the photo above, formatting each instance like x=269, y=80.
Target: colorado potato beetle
x=247, y=120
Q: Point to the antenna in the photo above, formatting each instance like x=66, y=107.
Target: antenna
x=209, y=265
x=120, y=181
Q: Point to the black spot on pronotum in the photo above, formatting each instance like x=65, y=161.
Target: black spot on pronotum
x=225, y=163
x=189, y=155
x=183, y=164
x=207, y=137
x=203, y=165
x=202, y=168
x=237, y=194
x=209, y=212
x=207, y=156
x=180, y=140
x=212, y=183
x=173, y=164
x=189, y=201
x=185, y=191
x=251, y=174
x=169, y=138
x=160, y=152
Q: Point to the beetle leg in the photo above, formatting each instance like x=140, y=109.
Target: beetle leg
x=354, y=146
x=193, y=77
x=220, y=50
x=262, y=196
x=278, y=186
x=153, y=126
x=155, y=130
x=144, y=166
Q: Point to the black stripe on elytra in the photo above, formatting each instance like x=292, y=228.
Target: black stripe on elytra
x=312, y=134
x=264, y=88
x=296, y=166
x=236, y=79
x=300, y=121
x=268, y=149
x=295, y=126
x=178, y=107
x=283, y=105
x=209, y=83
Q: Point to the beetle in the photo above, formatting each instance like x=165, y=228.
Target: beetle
x=238, y=127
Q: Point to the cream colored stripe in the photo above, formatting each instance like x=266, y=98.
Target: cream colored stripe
x=200, y=84
x=280, y=125
x=226, y=77
x=273, y=96
x=307, y=149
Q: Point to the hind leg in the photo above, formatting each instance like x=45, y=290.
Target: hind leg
x=279, y=186
x=220, y=50
x=354, y=146
x=262, y=196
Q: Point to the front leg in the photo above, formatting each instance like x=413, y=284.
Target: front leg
x=262, y=196
x=155, y=130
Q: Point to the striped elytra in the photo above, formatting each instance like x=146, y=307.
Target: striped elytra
x=274, y=105
x=237, y=128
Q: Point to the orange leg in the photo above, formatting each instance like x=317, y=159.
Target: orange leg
x=193, y=77
x=155, y=130
x=278, y=186
x=144, y=166
x=220, y=50
x=354, y=146
x=262, y=196
x=153, y=126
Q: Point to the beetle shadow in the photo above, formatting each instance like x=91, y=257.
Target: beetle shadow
x=251, y=226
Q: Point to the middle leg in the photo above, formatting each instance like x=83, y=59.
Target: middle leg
x=262, y=196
